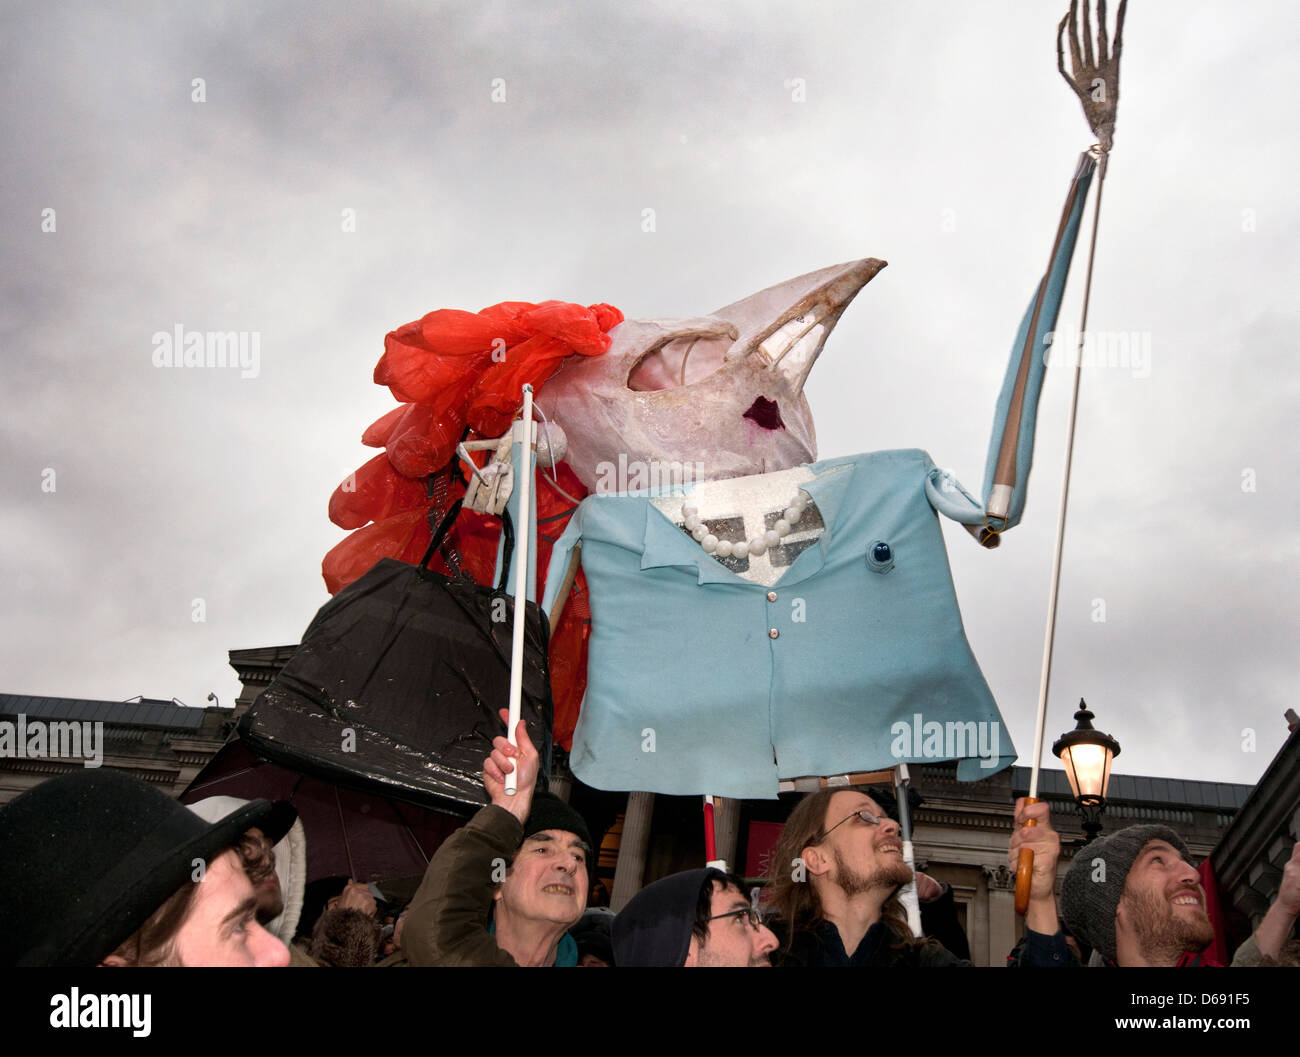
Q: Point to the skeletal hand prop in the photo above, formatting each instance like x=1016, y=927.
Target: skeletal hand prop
x=1095, y=79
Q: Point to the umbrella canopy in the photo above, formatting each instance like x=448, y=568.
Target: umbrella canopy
x=349, y=833
x=398, y=681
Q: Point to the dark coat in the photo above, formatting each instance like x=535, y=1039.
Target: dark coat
x=820, y=947
x=447, y=921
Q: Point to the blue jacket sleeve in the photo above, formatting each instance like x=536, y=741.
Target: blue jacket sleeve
x=1011, y=449
x=560, y=555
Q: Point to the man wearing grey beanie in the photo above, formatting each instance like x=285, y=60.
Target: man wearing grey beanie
x=1136, y=899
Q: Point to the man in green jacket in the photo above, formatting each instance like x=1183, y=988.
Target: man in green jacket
x=505, y=888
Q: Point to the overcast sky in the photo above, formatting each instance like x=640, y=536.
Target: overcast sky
x=770, y=139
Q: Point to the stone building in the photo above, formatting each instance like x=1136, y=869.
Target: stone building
x=164, y=742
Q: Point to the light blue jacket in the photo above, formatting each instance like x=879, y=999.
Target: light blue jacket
x=688, y=689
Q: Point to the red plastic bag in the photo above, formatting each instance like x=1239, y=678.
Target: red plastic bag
x=405, y=536
x=415, y=374
x=425, y=437
x=377, y=433
x=375, y=492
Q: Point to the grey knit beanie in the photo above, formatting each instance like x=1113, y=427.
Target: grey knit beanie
x=1088, y=906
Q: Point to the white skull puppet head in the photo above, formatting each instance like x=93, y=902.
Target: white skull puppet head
x=705, y=399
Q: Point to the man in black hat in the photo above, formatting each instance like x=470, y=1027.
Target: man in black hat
x=505, y=888
x=698, y=918
x=108, y=870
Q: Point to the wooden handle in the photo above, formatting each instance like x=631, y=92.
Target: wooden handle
x=1025, y=869
x=562, y=596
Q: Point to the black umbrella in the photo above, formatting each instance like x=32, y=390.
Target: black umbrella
x=350, y=833
x=397, y=685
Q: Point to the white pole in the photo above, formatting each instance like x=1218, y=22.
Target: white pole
x=907, y=896
x=1049, y=636
x=523, y=537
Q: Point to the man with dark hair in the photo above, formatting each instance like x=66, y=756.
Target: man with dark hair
x=275, y=859
x=347, y=935
x=698, y=918
x=105, y=869
x=835, y=876
x=505, y=888
x=592, y=935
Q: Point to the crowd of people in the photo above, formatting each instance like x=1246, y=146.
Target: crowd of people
x=111, y=871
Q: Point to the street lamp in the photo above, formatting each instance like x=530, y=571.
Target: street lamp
x=1087, y=754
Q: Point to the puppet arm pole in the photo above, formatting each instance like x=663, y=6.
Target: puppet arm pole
x=524, y=437
x=907, y=896
x=1025, y=864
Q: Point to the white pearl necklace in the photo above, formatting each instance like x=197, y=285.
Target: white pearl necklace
x=757, y=546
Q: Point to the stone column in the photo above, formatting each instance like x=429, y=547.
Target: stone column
x=977, y=924
x=726, y=829
x=630, y=871
x=562, y=786
x=561, y=777
x=1002, y=912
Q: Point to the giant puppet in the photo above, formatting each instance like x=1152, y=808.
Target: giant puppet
x=727, y=610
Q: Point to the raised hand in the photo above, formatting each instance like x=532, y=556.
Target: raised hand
x=506, y=758
x=1045, y=843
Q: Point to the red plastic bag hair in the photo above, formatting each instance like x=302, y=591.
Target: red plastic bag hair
x=451, y=369
x=373, y=493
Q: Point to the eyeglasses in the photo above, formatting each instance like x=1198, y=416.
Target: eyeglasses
x=869, y=817
x=755, y=918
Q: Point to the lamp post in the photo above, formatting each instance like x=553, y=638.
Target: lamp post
x=1087, y=754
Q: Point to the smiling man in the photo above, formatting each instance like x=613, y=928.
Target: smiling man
x=1134, y=897
x=836, y=873
x=694, y=919
x=505, y=888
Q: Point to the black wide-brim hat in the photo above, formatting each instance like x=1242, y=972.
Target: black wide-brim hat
x=86, y=858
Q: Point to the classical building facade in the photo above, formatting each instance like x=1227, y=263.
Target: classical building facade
x=163, y=742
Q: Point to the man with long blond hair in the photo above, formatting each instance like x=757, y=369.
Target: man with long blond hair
x=836, y=873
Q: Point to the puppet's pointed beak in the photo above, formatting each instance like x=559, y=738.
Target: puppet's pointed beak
x=787, y=325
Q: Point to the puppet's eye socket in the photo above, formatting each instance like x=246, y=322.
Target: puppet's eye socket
x=679, y=361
